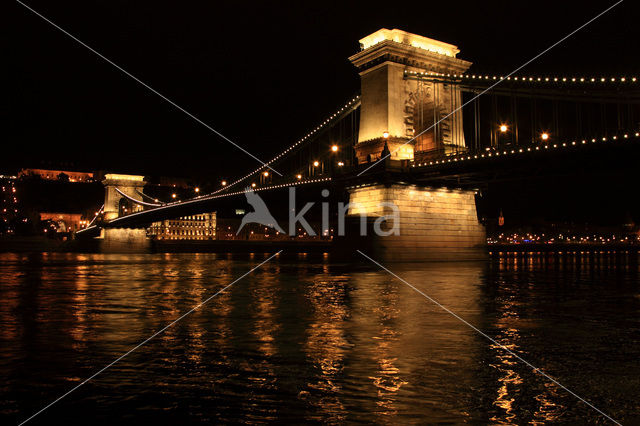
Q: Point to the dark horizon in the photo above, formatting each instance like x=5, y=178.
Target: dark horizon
x=262, y=75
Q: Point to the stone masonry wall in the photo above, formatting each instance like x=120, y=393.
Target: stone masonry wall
x=435, y=224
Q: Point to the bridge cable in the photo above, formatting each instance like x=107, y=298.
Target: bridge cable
x=142, y=203
x=493, y=85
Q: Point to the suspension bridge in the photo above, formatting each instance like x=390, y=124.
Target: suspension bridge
x=426, y=135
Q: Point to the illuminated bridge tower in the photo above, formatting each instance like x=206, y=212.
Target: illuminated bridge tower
x=395, y=108
x=122, y=239
x=113, y=200
x=435, y=223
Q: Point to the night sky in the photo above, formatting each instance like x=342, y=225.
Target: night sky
x=260, y=73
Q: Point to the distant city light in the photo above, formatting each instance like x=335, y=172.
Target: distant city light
x=340, y=163
x=173, y=195
x=197, y=189
x=253, y=184
x=316, y=164
x=334, y=148
x=224, y=183
x=503, y=128
x=266, y=174
x=299, y=177
x=544, y=136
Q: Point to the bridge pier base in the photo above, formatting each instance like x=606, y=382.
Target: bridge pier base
x=124, y=240
x=428, y=223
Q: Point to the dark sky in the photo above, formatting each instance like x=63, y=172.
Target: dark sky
x=261, y=73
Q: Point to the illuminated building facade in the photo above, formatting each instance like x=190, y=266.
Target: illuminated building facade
x=57, y=174
x=65, y=222
x=197, y=227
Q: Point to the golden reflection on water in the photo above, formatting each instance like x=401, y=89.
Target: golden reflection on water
x=326, y=344
x=79, y=306
x=266, y=324
x=510, y=324
x=387, y=379
x=10, y=304
x=377, y=317
x=509, y=380
x=220, y=310
x=508, y=321
x=359, y=341
x=549, y=410
x=261, y=306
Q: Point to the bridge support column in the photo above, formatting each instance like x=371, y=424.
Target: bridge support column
x=434, y=224
x=124, y=240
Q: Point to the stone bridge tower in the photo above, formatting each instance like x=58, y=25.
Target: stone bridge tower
x=128, y=184
x=432, y=223
x=122, y=239
x=396, y=108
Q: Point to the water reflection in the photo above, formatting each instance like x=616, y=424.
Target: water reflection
x=306, y=339
x=549, y=304
x=387, y=379
x=326, y=344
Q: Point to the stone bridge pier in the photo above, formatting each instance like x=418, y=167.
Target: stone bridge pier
x=429, y=224
x=122, y=240
x=413, y=119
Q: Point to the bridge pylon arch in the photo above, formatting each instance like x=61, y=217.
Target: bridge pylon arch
x=127, y=184
x=122, y=239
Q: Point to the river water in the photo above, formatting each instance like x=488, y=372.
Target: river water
x=308, y=339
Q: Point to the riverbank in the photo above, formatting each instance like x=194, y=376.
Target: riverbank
x=577, y=248
x=43, y=244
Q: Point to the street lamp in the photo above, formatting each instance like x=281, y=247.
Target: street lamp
x=503, y=128
x=544, y=136
x=334, y=148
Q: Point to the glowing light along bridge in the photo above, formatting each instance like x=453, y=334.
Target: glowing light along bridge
x=422, y=119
